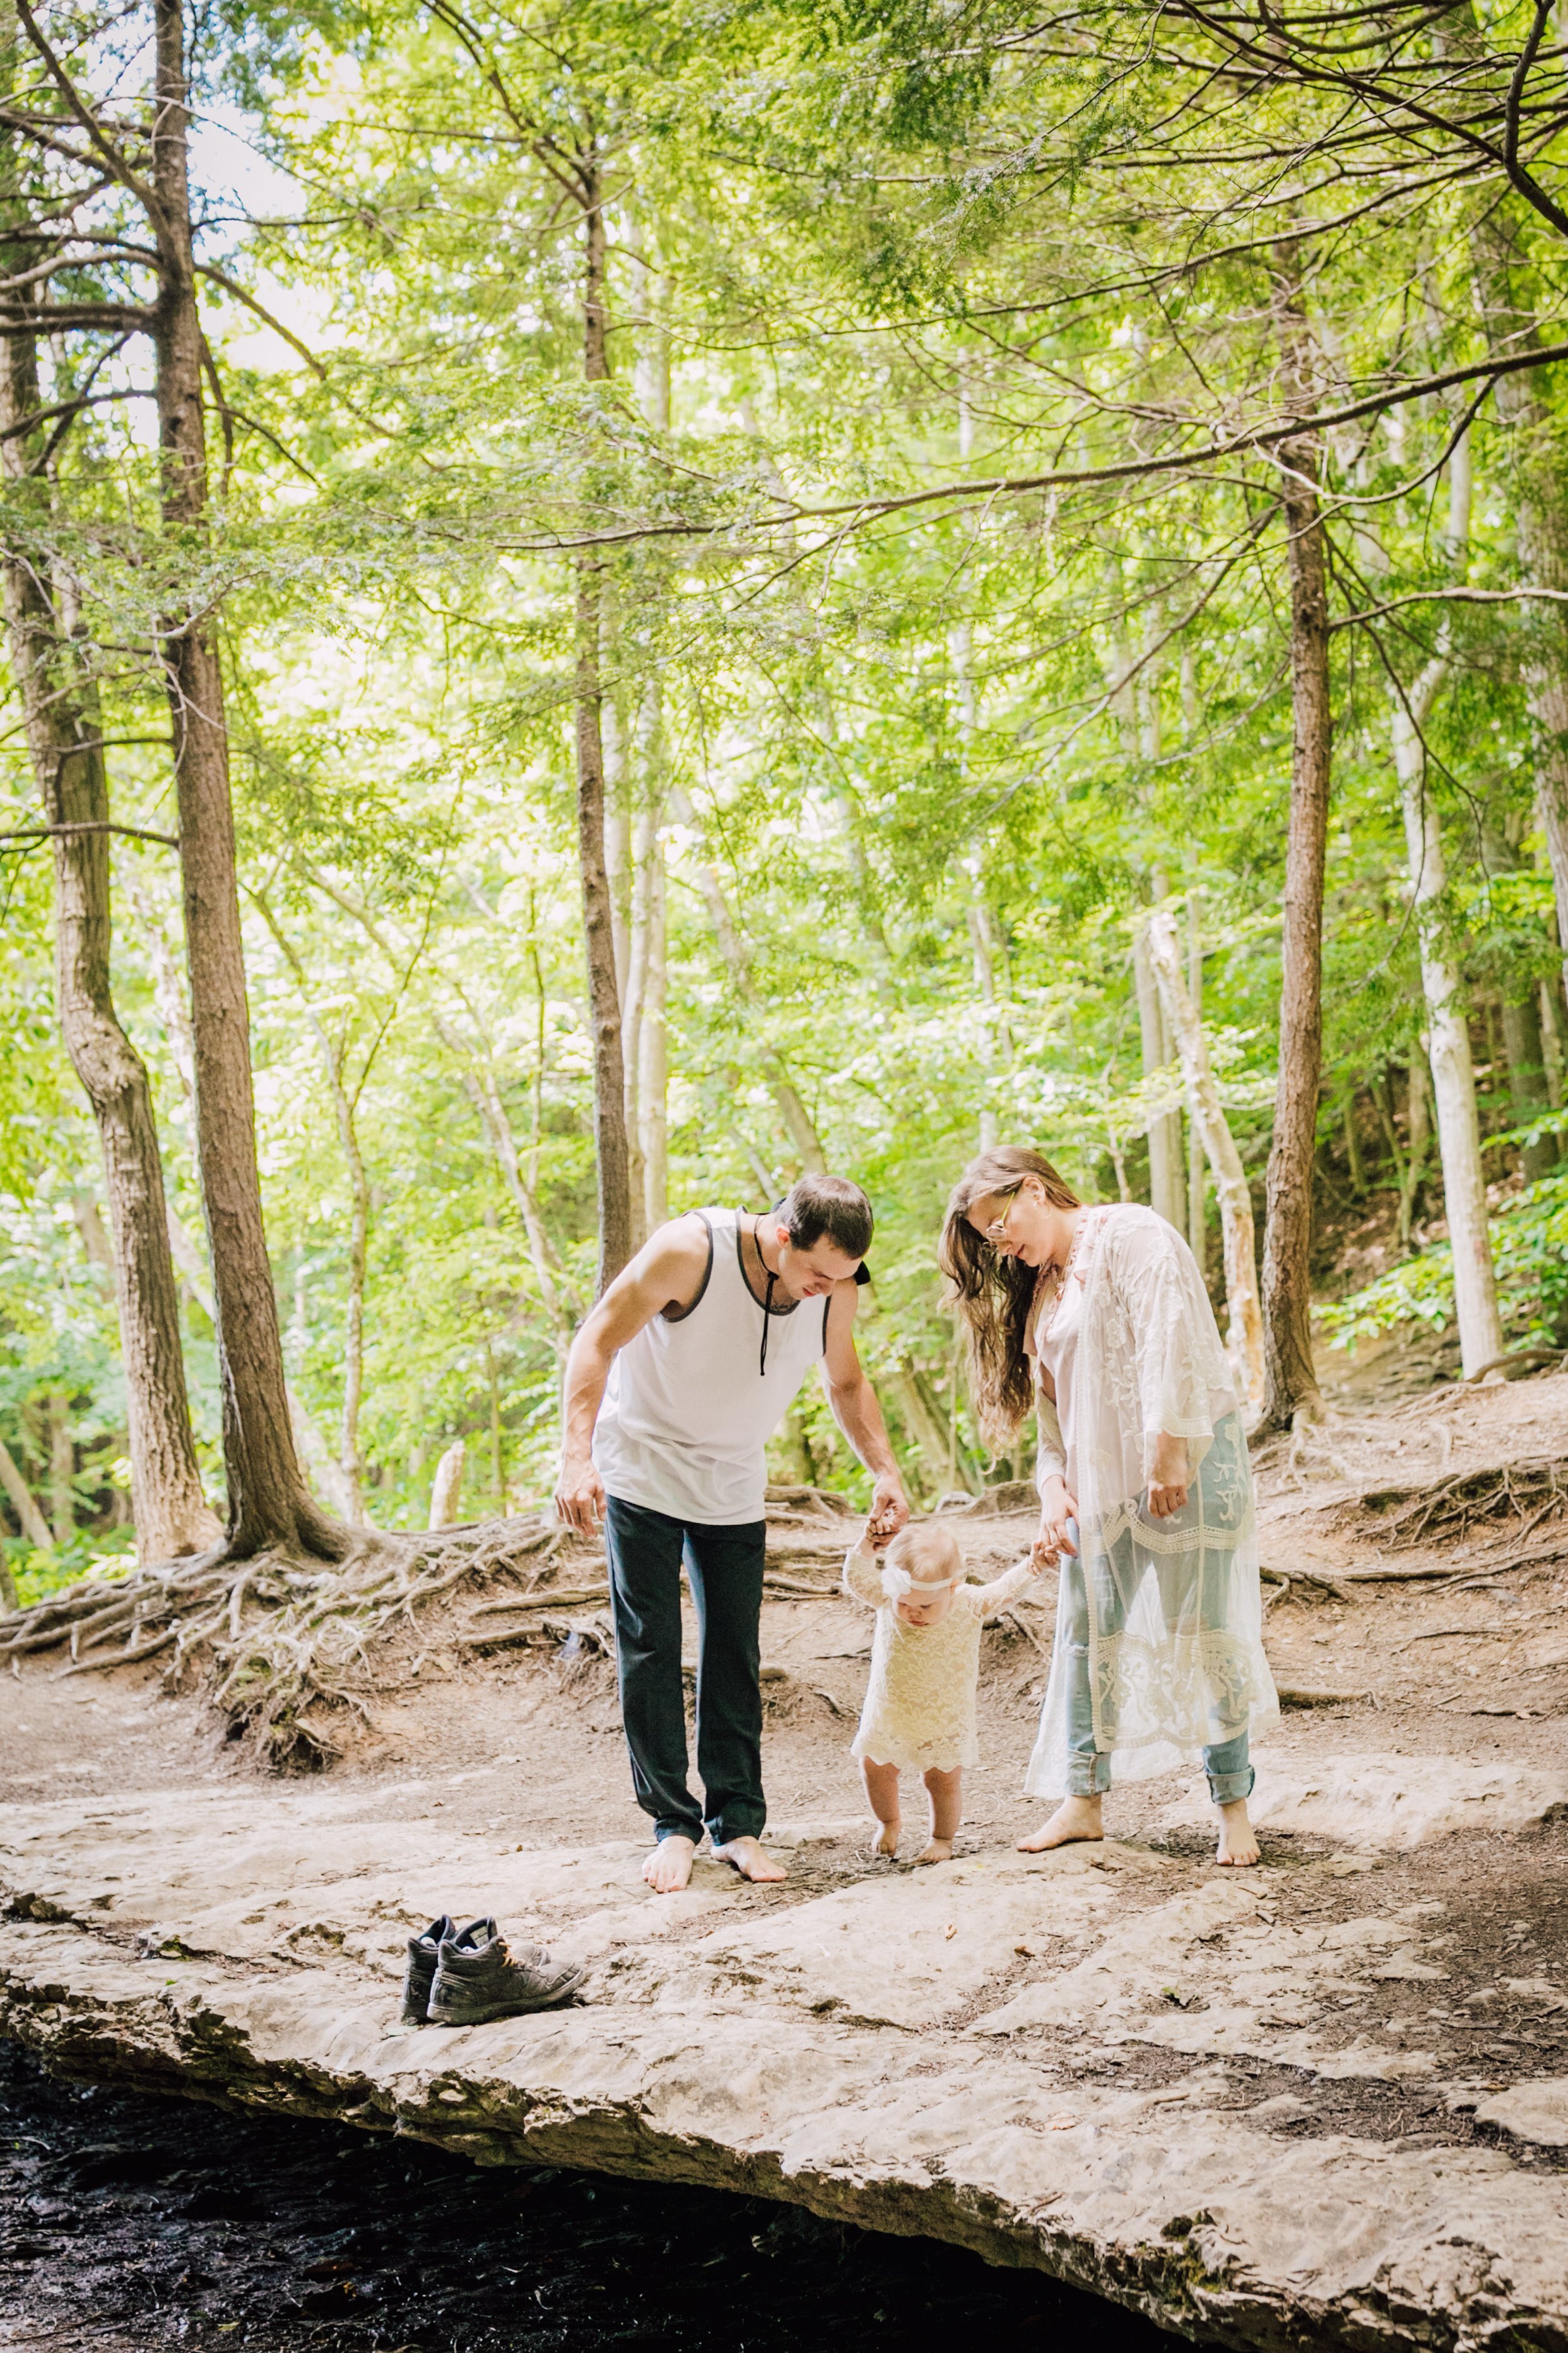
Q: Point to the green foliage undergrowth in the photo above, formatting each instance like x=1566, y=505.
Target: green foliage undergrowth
x=1529, y=1251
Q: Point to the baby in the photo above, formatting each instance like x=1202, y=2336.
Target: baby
x=925, y=1664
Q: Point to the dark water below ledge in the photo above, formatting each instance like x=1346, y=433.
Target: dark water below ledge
x=129, y=2224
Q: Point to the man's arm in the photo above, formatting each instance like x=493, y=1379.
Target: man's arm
x=670, y=1266
x=860, y=1417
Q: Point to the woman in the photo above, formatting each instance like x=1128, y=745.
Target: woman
x=1099, y=1318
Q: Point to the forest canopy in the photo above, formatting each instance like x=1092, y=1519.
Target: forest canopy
x=761, y=588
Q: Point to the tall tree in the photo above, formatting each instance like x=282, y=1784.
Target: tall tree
x=139, y=149
x=65, y=737
x=1291, y=1379
x=611, y=1150
x=268, y=1502
x=1442, y=983
x=1244, y=1338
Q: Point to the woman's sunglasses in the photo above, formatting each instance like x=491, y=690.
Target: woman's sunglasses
x=996, y=1231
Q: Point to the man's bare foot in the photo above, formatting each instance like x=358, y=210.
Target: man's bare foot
x=938, y=1851
x=1238, y=1839
x=669, y=1867
x=747, y=1856
x=885, y=1845
x=1075, y=1817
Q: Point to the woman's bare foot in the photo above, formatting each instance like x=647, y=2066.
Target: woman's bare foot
x=746, y=1855
x=885, y=1845
x=669, y=1867
x=938, y=1851
x=1238, y=1839
x=1075, y=1817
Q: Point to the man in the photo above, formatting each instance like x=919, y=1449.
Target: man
x=674, y=1386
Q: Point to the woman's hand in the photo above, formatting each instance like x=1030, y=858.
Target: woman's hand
x=1057, y=1506
x=1168, y=1480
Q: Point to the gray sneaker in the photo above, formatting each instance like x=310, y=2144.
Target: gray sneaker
x=479, y=1979
x=424, y=1953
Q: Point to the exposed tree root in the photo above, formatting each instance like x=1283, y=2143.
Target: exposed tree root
x=1511, y=1499
x=284, y=1647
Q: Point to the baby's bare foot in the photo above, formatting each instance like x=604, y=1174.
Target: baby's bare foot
x=885, y=1844
x=669, y=1867
x=1237, y=1839
x=1075, y=1817
x=938, y=1851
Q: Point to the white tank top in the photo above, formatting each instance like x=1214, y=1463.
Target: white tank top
x=687, y=1412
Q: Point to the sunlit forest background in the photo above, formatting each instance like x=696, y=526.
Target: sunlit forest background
x=943, y=619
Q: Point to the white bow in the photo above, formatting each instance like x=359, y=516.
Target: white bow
x=897, y=1582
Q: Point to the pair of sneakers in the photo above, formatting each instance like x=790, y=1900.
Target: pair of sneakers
x=463, y=1978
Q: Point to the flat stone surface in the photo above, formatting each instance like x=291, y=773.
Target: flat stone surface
x=1110, y=2062
x=1537, y=2112
x=1392, y=1801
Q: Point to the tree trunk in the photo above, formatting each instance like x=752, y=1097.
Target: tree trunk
x=268, y=1501
x=64, y=735
x=1448, y=1041
x=447, y=1492
x=1245, y=1338
x=1383, y=1097
x=1448, y=1035
x=628, y=915
x=1164, y=1130
x=649, y=958
x=1523, y=1042
x=1197, y=1216
x=983, y=962
x=611, y=1155
x=949, y=1463
x=349, y=1467
x=497, y=1461
x=62, y=1467
x=1550, y=996
x=977, y=909
x=617, y=822
x=1353, y=1147
x=651, y=377
x=927, y=1433
x=633, y=1004
x=1290, y=1381
x=31, y=1520
x=1527, y=1081
x=1418, y=1137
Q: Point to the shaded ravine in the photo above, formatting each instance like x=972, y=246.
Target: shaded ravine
x=130, y=2223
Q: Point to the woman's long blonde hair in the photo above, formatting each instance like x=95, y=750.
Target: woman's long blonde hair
x=993, y=1295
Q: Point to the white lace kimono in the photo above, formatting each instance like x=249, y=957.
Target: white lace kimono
x=920, y=1702
x=1174, y=1618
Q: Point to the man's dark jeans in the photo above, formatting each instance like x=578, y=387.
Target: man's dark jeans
x=725, y=1566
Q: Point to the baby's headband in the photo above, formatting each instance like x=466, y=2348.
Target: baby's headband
x=897, y=1582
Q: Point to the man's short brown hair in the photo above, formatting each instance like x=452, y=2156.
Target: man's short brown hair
x=830, y=1208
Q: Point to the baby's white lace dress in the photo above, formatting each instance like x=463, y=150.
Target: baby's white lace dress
x=919, y=1702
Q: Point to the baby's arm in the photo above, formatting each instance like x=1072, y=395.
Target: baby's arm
x=988, y=1599
x=863, y=1574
